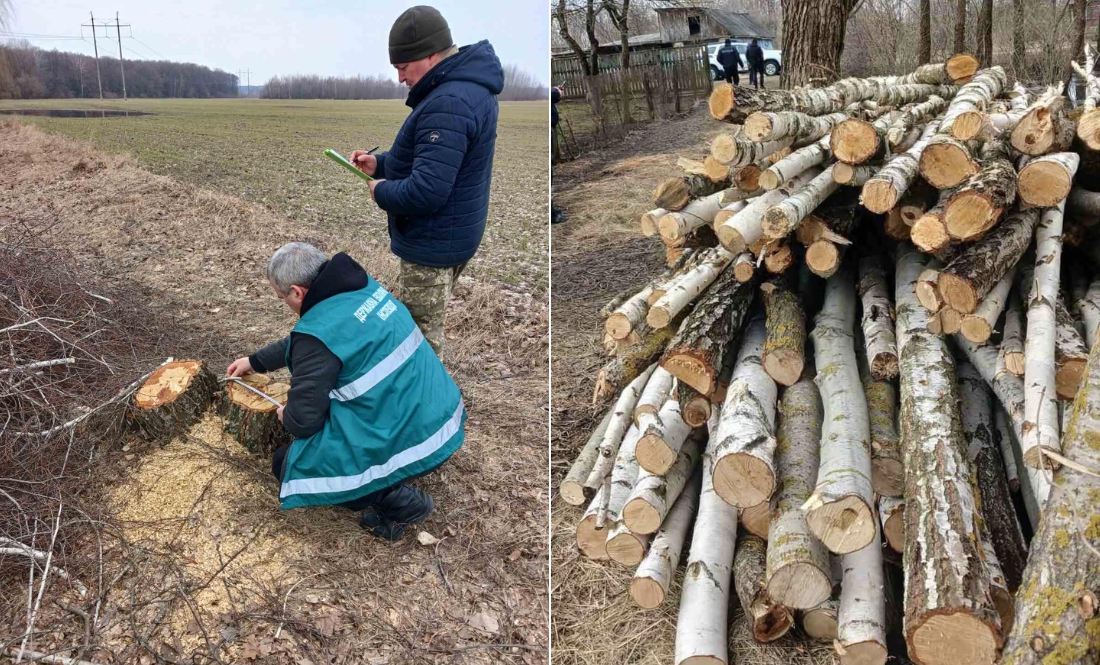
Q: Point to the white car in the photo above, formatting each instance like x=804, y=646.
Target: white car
x=773, y=58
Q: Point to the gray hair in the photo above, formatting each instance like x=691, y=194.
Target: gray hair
x=295, y=264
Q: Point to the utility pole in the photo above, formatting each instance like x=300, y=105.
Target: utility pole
x=96, y=47
x=121, y=63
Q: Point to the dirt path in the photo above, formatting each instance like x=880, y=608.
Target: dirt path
x=195, y=502
x=596, y=255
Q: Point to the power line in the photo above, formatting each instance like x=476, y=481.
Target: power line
x=146, y=46
x=95, y=46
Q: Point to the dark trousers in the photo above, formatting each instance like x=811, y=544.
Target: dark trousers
x=756, y=76
x=732, y=76
x=372, y=500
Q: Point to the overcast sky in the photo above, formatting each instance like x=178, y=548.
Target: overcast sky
x=341, y=37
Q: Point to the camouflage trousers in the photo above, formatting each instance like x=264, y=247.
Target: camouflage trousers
x=425, y=292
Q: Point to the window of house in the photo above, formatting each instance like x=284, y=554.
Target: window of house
x=694, y=25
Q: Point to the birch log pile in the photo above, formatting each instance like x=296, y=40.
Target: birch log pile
x=870, y=404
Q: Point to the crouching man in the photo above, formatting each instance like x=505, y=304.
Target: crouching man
x=370, y=404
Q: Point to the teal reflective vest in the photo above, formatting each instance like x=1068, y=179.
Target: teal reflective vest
x=394, y=414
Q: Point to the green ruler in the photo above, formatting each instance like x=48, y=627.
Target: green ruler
x=342, y=161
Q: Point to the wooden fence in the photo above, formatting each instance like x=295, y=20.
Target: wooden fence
x=685, y=70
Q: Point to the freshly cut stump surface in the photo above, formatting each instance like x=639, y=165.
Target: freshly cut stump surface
x=253, y=420
x=173, y=398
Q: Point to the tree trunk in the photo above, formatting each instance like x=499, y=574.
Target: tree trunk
x=840, y=512
x=653, y=577
x=1043, y=127
x=677, y=192
x=997, y=509
x=1040, y=395
x=797, y=563
x=883, y=191
x=774, y=126
x=976, y=206
x=745, y=446
x=891, y=511
x=686, y=289
x=1046, y=181
x=947, y=162
x=1070, y=354
x=735, y=151
x=924, y=39
x=887, y=474
x=1076, y=36
x=769, y=619
x=1056, y=608
x=799, y=161
x=978, y=326
x=572, y=489
x=253, y=420
x=593, y=41
x=949, y=614
x=700, y=212
x=1088, y=307
x=701, y=628
x=629, y=363
x=784, y=217
x=621, y=419
x=742, y=229
x=785, y=342
x=861, y=618
x=960, y=26
x=562, y=17
x=973, y=273
x=813, y=40
x=1019, y=43
x=878, y=319
x=176, y=396
x=657, y=391
x=653, y=494
x=1012, y=339
x=985, y=32
x=695, y=354
x=663, y=435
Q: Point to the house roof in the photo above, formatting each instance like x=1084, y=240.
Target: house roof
x=739, y=24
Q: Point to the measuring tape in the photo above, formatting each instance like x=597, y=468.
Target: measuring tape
x=261, y=394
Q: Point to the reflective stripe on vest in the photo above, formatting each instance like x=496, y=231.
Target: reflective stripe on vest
x=408, y=456
x=380, y=371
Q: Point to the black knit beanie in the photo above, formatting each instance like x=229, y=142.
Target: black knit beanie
x=419, y=32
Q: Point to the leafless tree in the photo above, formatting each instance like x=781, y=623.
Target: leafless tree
x=960, y=26
x=924, y=50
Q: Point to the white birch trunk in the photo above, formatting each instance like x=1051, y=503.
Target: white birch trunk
x=797, y=563
x=654, y=575
x=734, y=151
x=1040, y=391
x=744, y=450
x=1045, y=181
x=978, y=326
x=1004, y=442
x=891, y=512
x=799, y=161
x=1070, y=354
x=974, y=97
x=649, y=221
x=623, y=413
x=687, y=288
x=655, y=394
x=571, y=489
x=702, y=624
x=878, y=320
x=592, y=539
x=775, y=126
x=784, y=217
x=914, y=116
x=630, y=314
x=1012, y=339
x=1089, y=309
x=840, y=511
x=743, y=229
x=654, y=494
x=883, y=191
x=861, y=618
x=700, y=212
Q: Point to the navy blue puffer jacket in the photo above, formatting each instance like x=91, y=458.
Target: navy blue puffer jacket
x=438, y=170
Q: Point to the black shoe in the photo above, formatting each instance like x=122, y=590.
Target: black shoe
x=401, y=508
x=557, y=215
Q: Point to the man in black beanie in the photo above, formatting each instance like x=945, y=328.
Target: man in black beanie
x=433, y=182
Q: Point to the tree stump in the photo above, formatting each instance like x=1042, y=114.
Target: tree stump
x=173, y=399
x=251, y=419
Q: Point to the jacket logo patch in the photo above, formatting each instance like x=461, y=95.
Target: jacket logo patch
x=433, y=137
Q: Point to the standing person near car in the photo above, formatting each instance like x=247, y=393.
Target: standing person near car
x=433, y=182
x=557, y=215
x=755, y=57
x=730, y=59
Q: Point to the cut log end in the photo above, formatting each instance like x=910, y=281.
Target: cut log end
x=844, y=173
x=1068, y=377
x=1014, y=362
x=894, y=531
x=572, y=492
x=696, y=412
x=961, y=67
x=592, y=541
x=1088, y=129
x=618, y=325
x=672, y=194
x=773, y=624
x=743, y=480
x=950, y=638
x=747, y=178
x=820, y=623
x=895, y=226
x=714, y=170
x=757, y=127
x=853, y=141
x=649, y=594
x=928, y=295
x=823, y=259
x=863, y=653
x=743, y=271
x=879, y=196
x=946, y=165
x=970, y=214
x=654, y=455
x=929, y=233
x=246, y=399
x=658, y=318
x=723, y=148
x=776, y=224
x=769, y=180
x=957, y=293
x=626, y=548
x=976, y=329
x=251, y=419
x=967, y=125
x=756, y=519
x=884, y=366
x=692, y=371
x=800, y=586
x=887, y=476
x=641, y=517
x=844, y=526
x=166, y=384
x=951, y=320
x=784, y=365
x=1044, y=183
x=911, y=212
x=721, y=101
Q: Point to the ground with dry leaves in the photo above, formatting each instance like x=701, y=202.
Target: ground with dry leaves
x=198, y=564
x=598, y=254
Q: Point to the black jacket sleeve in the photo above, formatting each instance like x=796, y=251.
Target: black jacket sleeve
x=555, y=96
x=270, y=358
x=315, y=372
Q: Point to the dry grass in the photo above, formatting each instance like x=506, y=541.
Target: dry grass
x=598, y=254
x=182, y=506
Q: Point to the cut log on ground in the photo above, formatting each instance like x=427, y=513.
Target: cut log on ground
x=735, y=152
x=878, y=319
x=784, y=217
x=978, y=326
x=687, y=288
x=972, y=100
x=1040, y=388
x=1043, y=126
x=744, y=445
x=653, y=494
x=702, y=625
x=946, y=162
x=572, y=489
x=798, y=161
x=884, y=191
x=976, y=270
x=976, y=206
x=856, y=175
x=769, y=126
x=592, y=539
x=1056, y=606
x=857, y=141
x=820, y=623
x=251, y=419
x=175, y=397
x=662, y=438
x=957, y=623
x=649, y=221
x=929, y=232
x=700, y=212
x=840, y=512
x=769, y=619
x=887, y=474
x=1012, y=338
x=784, y=345
x=653, y=577
x=891, y=511
x=861, y=618
x=694, y=407
x=629, y=363
x=676, y=193
x=621, y=480
x=656, y=392
x=1047, y=180
x=797, y=563
x=630, y=314
x=1070, y=354
x=626, y=547
x=695, y=354
x=621, y=419
x=739, y=230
